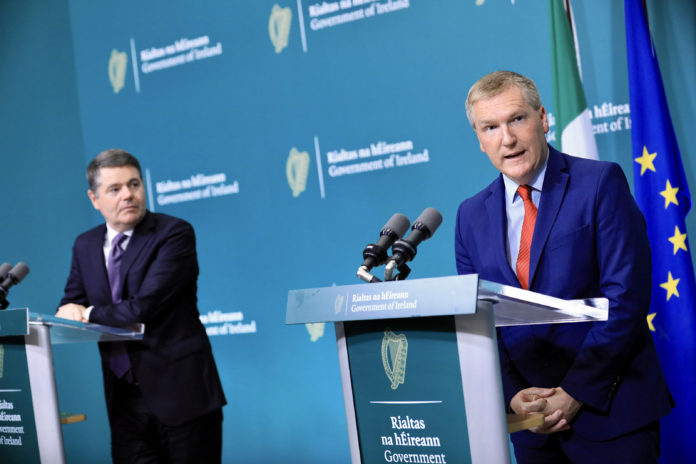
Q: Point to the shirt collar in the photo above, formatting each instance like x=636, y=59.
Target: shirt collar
x=537, y=183
x=111, y=233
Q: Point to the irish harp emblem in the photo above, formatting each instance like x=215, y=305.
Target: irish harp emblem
x=316, y=330
x=394, y=351
x=117, y=69
x=279, y=27
x=296, y=170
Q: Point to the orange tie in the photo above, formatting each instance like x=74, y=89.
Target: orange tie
x=530, y=213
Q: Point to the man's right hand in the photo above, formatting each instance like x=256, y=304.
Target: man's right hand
x=72, y=311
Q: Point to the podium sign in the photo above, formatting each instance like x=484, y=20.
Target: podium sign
x=18, y=437
x=407, y=390
x=387, y=300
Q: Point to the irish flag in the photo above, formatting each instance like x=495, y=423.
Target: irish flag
x=573, y=122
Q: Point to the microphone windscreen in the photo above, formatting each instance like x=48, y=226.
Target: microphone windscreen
x=4, y=269
x=20, y=271
x=398, y=224
x=430, y=218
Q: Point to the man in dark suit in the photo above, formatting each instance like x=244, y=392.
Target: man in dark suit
x=163, y=394
x=569, y=228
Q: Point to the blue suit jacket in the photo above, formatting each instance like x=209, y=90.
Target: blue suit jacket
x=589, y=241
x=173, y=363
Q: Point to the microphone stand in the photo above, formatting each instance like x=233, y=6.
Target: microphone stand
x=364, y=274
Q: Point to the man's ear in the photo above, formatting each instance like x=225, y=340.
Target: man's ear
x=544, y=119
x=93, y=198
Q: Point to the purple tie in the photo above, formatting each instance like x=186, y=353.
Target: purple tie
x=118, y=358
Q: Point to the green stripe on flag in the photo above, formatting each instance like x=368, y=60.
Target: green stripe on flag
x=568, y=95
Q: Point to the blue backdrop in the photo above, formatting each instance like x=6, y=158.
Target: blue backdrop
x=287, y=132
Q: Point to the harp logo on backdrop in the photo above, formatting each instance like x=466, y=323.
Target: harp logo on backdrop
x=316, y=330
x=394, y=352
x=279, y=27
x=296, y=170
x=117, y=69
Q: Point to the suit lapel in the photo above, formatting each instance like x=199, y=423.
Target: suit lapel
x=95, y=253
x=495, y=205
x=137, y=241
x=555, y=182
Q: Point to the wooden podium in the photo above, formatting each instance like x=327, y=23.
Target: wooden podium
x=419, y=362
x=30, y=421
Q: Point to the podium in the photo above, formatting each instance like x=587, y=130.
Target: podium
x=419, y=362
x=30, y=422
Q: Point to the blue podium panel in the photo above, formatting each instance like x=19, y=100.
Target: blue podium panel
x=407, y=390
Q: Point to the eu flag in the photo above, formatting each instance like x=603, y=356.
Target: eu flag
x=663, y=196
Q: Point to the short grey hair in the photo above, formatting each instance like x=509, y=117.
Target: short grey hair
x=495, y=83
x=111, y=158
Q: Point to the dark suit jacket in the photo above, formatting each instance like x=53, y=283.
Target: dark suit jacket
x=589, y=241
x=173, y=364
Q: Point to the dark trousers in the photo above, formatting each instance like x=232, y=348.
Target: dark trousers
x=138, y=437
x=641, y=446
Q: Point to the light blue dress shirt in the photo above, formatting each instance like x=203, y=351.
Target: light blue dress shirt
x=514, y=208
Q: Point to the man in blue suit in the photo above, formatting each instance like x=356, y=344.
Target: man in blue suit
x=569, y=228
x=163, y=394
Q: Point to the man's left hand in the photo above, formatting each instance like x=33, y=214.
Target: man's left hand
x=558, y=413
x=562, y=401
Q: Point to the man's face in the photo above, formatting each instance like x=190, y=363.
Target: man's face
x=511, y=132
x=120, y=197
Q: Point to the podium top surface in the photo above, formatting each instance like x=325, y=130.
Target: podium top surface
x=453, y=295
x=15, y=322
x=515, y=306
x=67, y=331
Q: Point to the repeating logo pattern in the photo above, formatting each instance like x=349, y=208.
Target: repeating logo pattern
x=117, y=69
x=316, y=330
x=296, y=169
x=279, y=27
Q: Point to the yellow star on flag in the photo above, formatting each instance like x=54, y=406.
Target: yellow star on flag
x=670, y=286
x=670, y=194
x=650, y=321
x=678, y=240
x=646, y=161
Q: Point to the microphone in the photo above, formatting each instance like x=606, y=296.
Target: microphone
x=405, y=250
x=13, y=277
x=376, y=254
x=4, y=269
